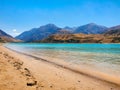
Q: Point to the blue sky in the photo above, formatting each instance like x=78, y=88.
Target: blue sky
x=17, y=16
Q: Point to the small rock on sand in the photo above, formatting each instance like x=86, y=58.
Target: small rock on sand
x=31, y=83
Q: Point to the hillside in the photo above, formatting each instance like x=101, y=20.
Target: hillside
x=115, y=31
x=82, y=38
x=4, y=37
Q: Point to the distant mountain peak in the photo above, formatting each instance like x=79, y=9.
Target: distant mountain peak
x=38, y=33
x=50, y=25
x=91, y=28
x=94, y=24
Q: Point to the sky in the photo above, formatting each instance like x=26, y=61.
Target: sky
x=17, y=16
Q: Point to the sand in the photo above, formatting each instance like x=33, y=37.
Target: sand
x=21, y=72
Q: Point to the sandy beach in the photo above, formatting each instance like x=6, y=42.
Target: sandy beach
x=21, y=72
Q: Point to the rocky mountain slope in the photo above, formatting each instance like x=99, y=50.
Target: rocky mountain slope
x=113, y=31
x=38, y=33
x=82, y=38
x=4, y=37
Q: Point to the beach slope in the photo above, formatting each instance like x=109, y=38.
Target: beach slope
x=21, y=72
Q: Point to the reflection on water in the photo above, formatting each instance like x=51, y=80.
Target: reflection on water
x=101, y=56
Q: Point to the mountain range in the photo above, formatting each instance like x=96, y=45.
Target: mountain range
x=43, y=32
x=110, y=35
x=51, y=33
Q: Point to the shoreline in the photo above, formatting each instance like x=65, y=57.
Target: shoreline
x=59, y=77
x=75, y=69
x=13, y=74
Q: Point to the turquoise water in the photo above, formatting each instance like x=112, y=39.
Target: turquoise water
x=98, y=48
x=102, y=56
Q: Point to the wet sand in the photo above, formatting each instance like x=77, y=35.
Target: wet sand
x=22, y=72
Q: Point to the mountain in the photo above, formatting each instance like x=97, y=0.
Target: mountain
x=4, y=37
x=63, y=31
x=113, y=31
x=2, y=33
x=114, y=28
x=91, y=28
x=38, y=33
x=110, y=35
